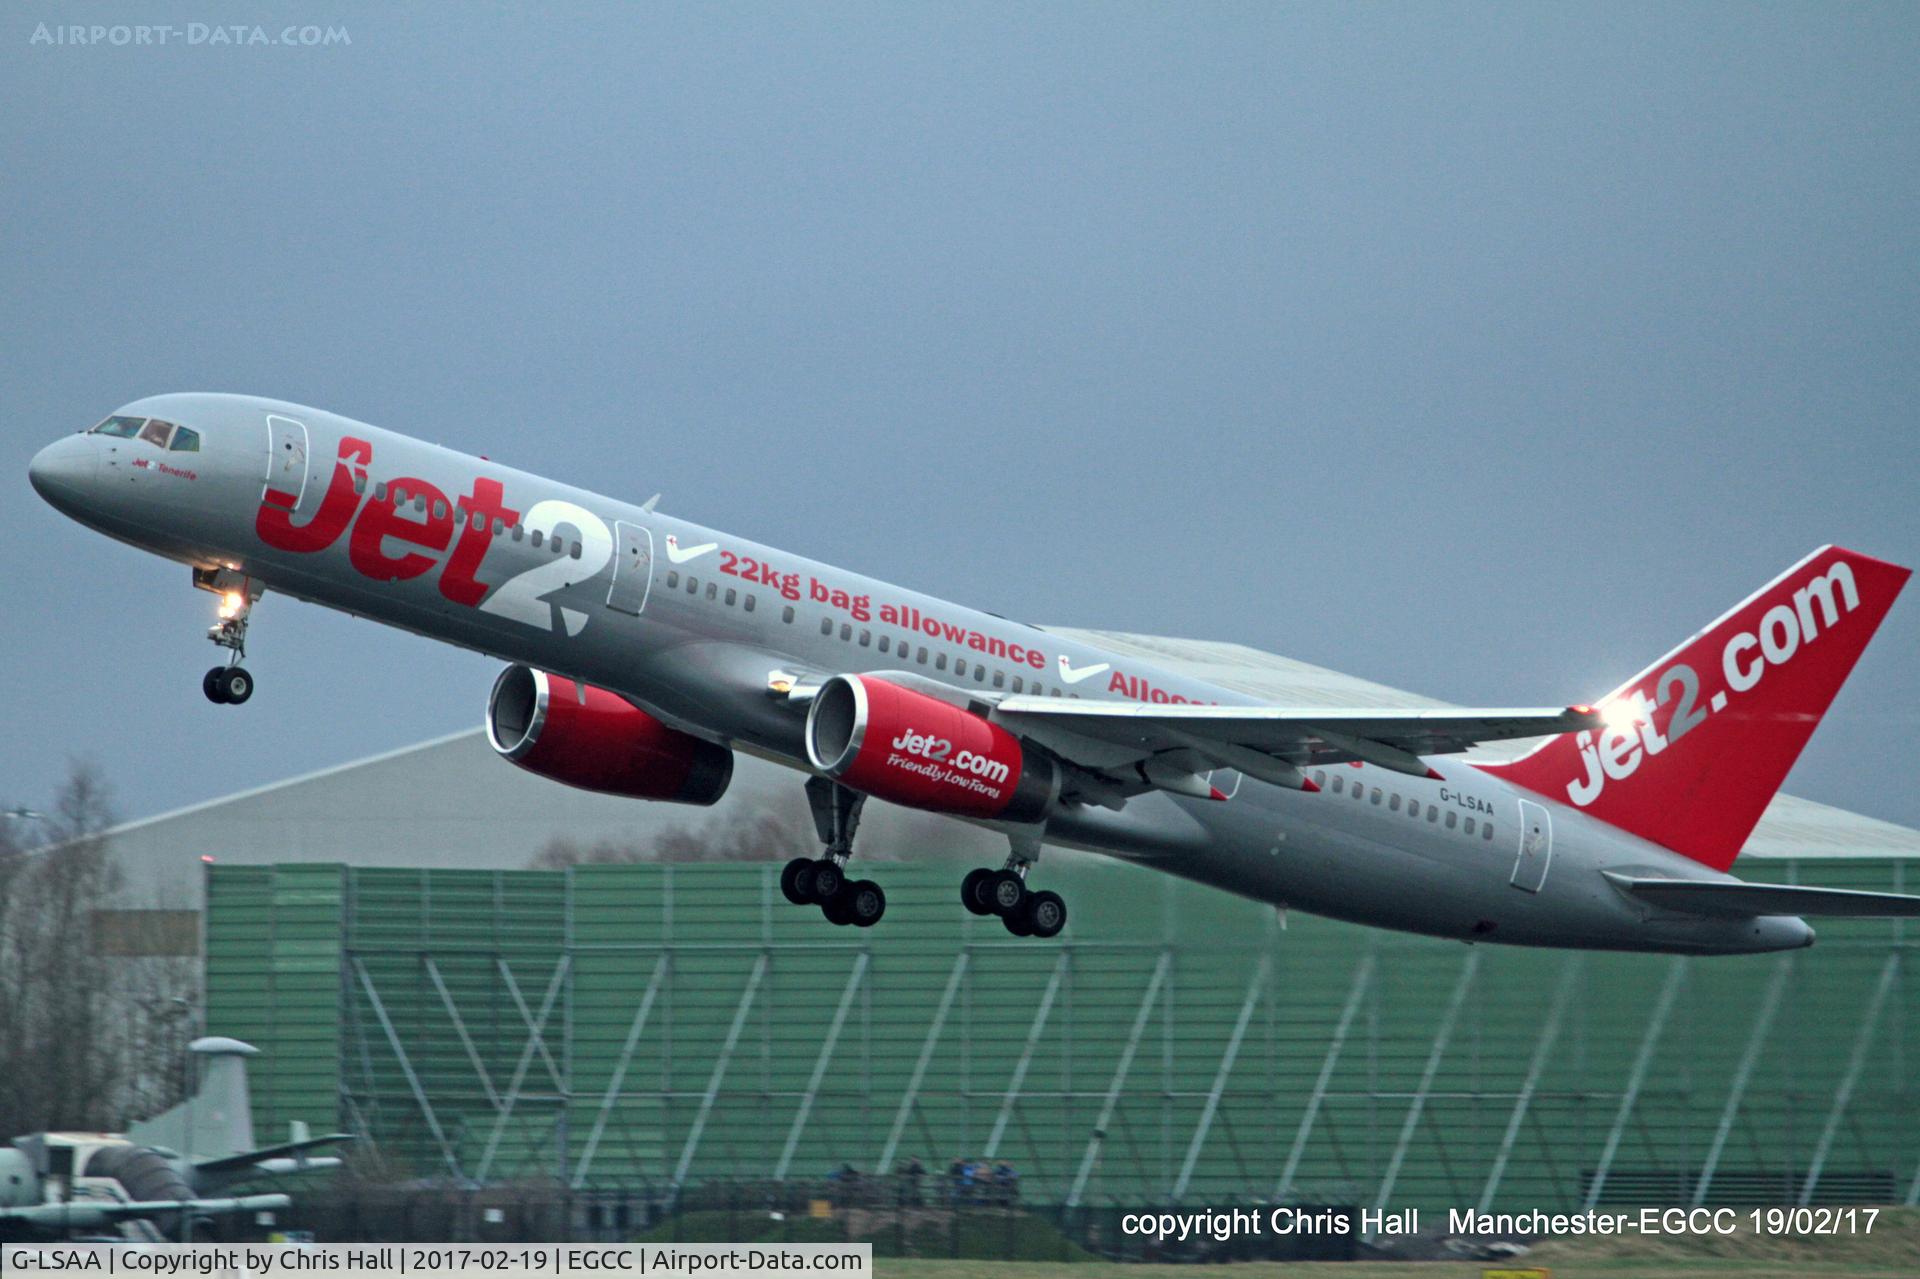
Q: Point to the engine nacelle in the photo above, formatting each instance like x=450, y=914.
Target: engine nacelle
x=590, y=738
x=908, y=748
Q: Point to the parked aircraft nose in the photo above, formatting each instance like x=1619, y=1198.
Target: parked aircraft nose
x=63, y=471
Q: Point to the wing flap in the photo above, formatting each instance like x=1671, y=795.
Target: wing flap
x=1711, y=897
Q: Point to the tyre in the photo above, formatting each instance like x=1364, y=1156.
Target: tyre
x=1020, y=921
x=1047, y=913
x=210, y=685
x=236, y=686
x=796, y=881
x=1005, y=892
x=839, y=908
x=865, y=903
x=828, y=879
x=973, y=890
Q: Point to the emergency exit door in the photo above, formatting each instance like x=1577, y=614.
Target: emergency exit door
x=632, y=568
x=1536, y=847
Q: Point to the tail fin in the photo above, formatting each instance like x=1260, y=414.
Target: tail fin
x=1698, y=743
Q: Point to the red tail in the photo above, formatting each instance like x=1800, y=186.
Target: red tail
x=1698, y=743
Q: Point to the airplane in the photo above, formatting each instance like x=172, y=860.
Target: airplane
x=644, y=651
x=160, y=1175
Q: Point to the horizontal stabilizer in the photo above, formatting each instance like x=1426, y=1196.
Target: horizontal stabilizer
x=1709, y=897
x=246, y=1159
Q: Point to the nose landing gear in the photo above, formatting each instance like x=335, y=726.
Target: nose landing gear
x=822, y=881
x=229, y=685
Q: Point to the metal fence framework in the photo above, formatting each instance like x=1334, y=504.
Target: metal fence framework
x=1316, y=1061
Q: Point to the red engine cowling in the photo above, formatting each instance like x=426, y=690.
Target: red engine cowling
x=908, y=748
x=590, y=738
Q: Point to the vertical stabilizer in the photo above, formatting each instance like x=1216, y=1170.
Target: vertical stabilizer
x=217, y=1120
x=1696, y=745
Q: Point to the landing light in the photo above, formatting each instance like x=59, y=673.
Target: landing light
x=230, y=604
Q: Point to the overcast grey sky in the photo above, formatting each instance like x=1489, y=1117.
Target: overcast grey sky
x=1482, y=350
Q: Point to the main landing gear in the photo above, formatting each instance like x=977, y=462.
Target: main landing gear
x=1003, y=892
x=822, y=881
x=229, y=685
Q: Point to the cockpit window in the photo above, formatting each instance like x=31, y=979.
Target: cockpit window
x=156, y=432
x=185, y=440
x=118, y=427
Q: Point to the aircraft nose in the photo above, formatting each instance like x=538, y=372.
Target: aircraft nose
x=62, y=471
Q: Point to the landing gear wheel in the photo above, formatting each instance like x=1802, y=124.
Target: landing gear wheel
x=839, y=908
x=1019, y=921
x=210, y=685
x=973, y=890
x=236, y=686
x=796, y=881
x=1004, y=893
x=828, y=879
x=865, y=903
x=1046, y=913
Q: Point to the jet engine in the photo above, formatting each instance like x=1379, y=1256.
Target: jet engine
x=596, y=740
x=909, y=748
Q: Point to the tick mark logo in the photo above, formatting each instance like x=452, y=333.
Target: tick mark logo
x=680, y=556
x=1074, y=674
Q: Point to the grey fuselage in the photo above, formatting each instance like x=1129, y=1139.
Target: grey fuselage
x=657, y=609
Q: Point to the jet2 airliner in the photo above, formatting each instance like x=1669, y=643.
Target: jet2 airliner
x=643, y=651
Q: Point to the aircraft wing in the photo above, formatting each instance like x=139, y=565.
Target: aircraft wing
x=1166, y=741
x=97, y=1212
x=1708, y=897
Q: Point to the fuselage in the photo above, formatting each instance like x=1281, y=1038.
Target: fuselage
x=696, y=625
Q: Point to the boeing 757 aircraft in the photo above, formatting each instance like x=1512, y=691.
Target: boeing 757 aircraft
x=644, y=651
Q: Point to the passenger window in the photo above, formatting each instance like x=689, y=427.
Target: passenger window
x=1359, y=791
x=786, y=614
x=732, y=595
x=693, y=583
x=1469, y=826
x=884, y=641
x=574, y=550
x=1017, y=687
x=1320, y=778
x=359, y=483
x=1393, y=805
x=1413, y=808
x=519, y=531
x=749, y=601
x=156, y=432
x=380, y=491
x=536, y=539
x=420, y=504
x=713, y=590
x=1486, y=831
x=979, y=674
x=559, y=545
x=959, y=667
x=1338, y=785
x=673, y=581
x=846, y=631
x=1453, y=819
x=459, y=514
x=923, y=656
x=866, y=638
x=826, y=626
x=1433, y=812
x=188, y=441
x=940, y=662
